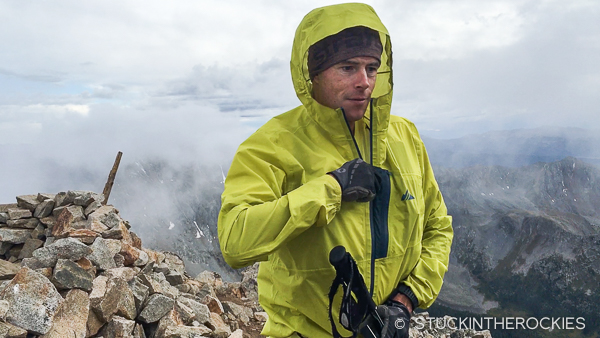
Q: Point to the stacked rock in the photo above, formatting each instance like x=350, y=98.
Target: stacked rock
x=71, y=267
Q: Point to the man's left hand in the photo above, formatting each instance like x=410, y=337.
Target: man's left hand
x=396, y=319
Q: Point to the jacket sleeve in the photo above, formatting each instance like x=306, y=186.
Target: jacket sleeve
x=257, y=216
x=426, y=279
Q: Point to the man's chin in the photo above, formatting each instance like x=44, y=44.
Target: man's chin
x=354, y=117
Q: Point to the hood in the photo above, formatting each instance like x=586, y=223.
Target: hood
x=330, y=20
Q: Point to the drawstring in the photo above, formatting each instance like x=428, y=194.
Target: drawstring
x=351, y=134
x=370, y=131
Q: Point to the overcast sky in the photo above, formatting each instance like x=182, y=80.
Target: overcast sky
x=189, y=80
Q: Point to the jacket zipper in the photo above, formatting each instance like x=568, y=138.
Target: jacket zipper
x=372, y=277
x=371, y=213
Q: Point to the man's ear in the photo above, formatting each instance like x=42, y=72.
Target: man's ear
x=315, y=78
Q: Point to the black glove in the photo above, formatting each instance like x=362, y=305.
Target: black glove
x=396, y=319
x=357, y=179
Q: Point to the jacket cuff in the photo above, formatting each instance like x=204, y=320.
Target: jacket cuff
x=407, y=291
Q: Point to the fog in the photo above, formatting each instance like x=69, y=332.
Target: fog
x=182, y=84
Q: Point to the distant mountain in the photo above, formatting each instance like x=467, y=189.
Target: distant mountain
x=515, y=148
x=526, y=240
x=175, y=208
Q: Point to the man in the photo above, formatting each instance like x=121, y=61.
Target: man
x=298, y=187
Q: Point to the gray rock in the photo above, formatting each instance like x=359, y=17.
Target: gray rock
x=4, y=306
x=3, y=217
x=154, y=285
x=202, y=312
x=8, y=270
x=174, y=263
x=123, y=272
x=94, y=323
x=186, y=313
x=30, y=245
x=58, y=210
x=170, y=319
x=140, y=293
x=18, y=213
x=237, y=334
x=5, y=247
x=118, y=327
x=10, y=331
x=175, y=278
x=138, y=331
x=49, y=241
x=32, y=263
x=221, y=330
x=33, y=301
x=106, y=296
x=44, y=209
x=155, y=308
x=126, y=307
x=41, y=197
x=103, y=253
x=48, y=221
x=64, y=248
x=92, y=207
x=5, y=207
x=23, y=223
x=261, y=316
x=14, y=236
x=60, y=200
x=83, y=198
x=71, y=318
x=28, y=202
x=162, y=268
x=148, y=268
x=39, y=232
x=241, y=312
x=106, y=215
x=69, y=275
x=196, y=288
x=169, y=290
x=187, y=331
x=114, y=233
x=4, y=284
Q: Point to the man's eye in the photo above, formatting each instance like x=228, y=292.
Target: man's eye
x=347, y=68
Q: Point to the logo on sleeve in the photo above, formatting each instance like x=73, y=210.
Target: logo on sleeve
x=407, y=196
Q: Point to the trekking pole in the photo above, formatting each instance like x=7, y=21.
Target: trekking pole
x=352, y=310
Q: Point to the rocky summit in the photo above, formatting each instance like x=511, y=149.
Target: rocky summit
x=71, y=267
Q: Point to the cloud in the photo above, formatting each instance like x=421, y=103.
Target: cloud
x=50, y=150
x=541, y=80
x=188, y=80
x=439, y=30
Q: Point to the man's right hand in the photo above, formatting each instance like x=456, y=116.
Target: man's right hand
x=357, y=179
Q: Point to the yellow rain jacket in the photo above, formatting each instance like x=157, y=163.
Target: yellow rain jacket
x=280, y=207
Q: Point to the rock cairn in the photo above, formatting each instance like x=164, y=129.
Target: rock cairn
x=71, y=267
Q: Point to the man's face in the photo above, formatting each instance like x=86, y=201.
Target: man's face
x=348, y=85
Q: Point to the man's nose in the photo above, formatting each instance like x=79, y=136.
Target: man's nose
x=362, y=79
